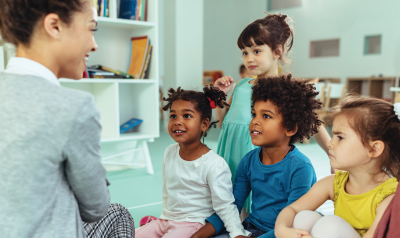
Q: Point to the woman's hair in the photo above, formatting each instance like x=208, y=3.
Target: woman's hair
x=272, y=30
x=201, y=100
x=18, y=18
x=296, y=103
x=373, y=119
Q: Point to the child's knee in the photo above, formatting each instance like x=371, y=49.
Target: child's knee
x=333, y=226
x=305, y=220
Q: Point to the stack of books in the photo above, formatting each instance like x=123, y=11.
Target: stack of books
x=99, y=71
x=140, y=57
x=133, y=10
x=126, y=9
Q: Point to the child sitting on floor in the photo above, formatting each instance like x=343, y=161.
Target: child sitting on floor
x=276, y=173
x=365, y=146
x=196, y=181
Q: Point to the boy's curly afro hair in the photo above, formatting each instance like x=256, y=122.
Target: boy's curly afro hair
x=295, y=100
x=199, y=99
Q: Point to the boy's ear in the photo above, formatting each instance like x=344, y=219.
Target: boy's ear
x=205, y=124
x=292, y=132
x=278, y=52
x=377, y=148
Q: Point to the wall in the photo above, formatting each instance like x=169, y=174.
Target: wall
x=350, y=21
x=224, y=20
x=183, y=44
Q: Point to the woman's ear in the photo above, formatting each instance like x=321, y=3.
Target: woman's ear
x=278, y=52
x=377, y=148
x=52, y=25
x=292, y=132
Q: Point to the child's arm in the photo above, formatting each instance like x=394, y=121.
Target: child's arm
x=318, y=194
x=223, y=199
x=224, y=84
x=322, y=138
x=379, y=213
x=241, y=191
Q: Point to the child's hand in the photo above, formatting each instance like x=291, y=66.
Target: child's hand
x=293, y=233
x=224, y=84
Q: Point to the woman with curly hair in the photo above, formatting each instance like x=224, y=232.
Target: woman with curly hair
x=276, y=173
x=196, y=181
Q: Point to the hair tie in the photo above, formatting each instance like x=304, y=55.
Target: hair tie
x=396, y=109
x=212, y=103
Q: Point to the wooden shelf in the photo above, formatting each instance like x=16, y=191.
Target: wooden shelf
x=93, y=80
x=378, y=87
x=130, y=136
x=123, y=23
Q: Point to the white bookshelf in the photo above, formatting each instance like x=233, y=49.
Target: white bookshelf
x=119, y=100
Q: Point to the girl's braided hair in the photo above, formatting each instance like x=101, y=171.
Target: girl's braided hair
x=201, y=101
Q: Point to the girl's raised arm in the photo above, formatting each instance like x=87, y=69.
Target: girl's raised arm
x=224, y=84
x=379, y=213
x=322, y=138
x=318, y=194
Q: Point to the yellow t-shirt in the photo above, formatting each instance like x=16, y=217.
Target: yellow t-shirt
x=360, y=210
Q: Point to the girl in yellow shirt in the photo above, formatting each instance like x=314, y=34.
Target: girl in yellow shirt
x=365, y=144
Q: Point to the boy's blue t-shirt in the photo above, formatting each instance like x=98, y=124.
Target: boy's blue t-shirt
x=274, y=187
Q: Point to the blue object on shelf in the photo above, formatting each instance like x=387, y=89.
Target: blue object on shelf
x=129, y=125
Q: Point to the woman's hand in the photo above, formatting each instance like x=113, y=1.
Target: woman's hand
x=224, y=84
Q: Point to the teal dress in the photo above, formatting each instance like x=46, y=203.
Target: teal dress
x=235, y=141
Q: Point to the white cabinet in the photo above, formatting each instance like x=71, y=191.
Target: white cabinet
x=122, y=99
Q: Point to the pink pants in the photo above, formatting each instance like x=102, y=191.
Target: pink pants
x=168, y=229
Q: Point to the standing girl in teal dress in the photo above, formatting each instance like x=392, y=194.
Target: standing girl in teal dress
x=264, y=44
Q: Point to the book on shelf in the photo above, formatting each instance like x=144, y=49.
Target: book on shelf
x=118, y=73
x=146, y=66
x=140, y=56
x=133, y=10
x=129, y=125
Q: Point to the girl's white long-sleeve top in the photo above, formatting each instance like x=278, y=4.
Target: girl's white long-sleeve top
x=194, y=190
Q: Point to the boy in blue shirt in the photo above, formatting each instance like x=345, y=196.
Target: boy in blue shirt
x=277, y=173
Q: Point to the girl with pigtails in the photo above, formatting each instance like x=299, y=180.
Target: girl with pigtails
x=196, y=181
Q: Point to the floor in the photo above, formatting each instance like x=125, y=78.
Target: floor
x=141, y=193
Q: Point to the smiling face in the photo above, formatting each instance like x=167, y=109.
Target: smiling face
x=346, y=150
x=185, y=123
x=260, y=60
x=266, y=128
x=77, y=41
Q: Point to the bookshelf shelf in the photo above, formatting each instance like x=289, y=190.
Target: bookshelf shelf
x=130, y=136
x=379, y=87
x=120, y=100
x=105, y=22
x=137, y=81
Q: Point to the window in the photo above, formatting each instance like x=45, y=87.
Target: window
x=324, y=48
x=279, y=4
x=372, y=45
